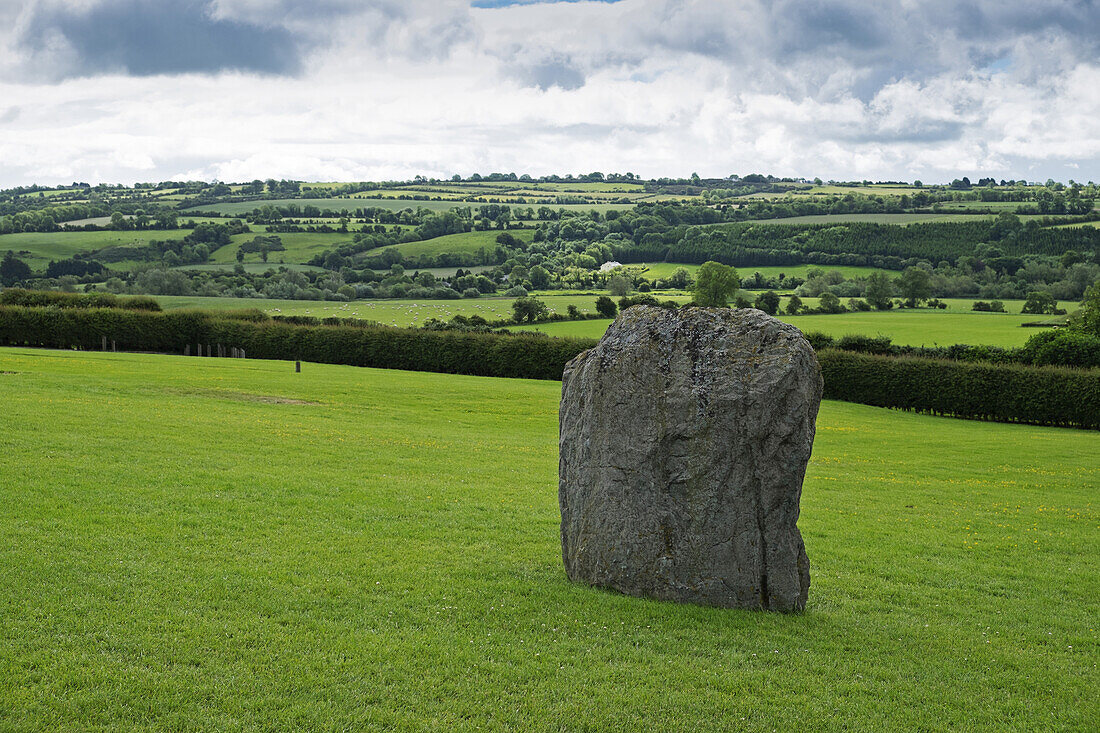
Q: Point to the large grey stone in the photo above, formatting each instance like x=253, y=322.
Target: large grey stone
x=684, y=442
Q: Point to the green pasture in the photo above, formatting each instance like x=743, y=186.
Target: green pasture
x=875, y=218
x=1080, y=224
x=188, y=220
x=467, y=242
x=445, y=272
x=578, y=187
x=921, y=327
x=201, y=544
x=869, y=190
x=549, y=196
x=252, y=265
x=393, y=193
x=1007, y=206
x=300, y=248
x=38, y=248
x=96, y=220
x=235, y=208
x=388, y=312
x=957, y=324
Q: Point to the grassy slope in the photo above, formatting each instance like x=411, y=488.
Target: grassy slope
x=300, y=247
x=467, y=242
x=213, y=556
x=46, y=246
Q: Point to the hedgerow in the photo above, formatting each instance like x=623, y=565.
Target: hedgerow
x=1041, y=395
x=984, y=391
x=531, y=356
x=55, y=299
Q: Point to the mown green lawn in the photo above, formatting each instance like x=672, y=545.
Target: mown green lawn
x=210, y=544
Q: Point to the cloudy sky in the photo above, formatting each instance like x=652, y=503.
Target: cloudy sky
x=150, y=90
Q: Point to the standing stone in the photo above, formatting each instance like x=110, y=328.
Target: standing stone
x=684, y=442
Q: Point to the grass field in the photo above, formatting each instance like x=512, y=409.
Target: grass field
x=252, y=265
x=925, y=327
x=455, y=243
x=45, y=246
x=908, y=327
x=301, y=247
x=330, y=204
x=1093, y=224
x=875, y=218
x=226, y=545
x=389, y=312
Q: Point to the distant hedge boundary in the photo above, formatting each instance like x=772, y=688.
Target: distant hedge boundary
x=521, y=356
x=980, y=390
x=55, y=299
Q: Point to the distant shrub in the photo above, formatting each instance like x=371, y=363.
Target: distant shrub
x=1063, y=347
x=856, y=304
x=865, y=344
x=644, y=299
x=253, y=315
x=818, y=340
x=446, y=294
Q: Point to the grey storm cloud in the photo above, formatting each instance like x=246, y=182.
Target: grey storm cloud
x=141, y=38
x=886, y=40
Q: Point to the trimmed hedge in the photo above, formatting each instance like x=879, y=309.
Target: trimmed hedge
x=530, y=356
x=987, y=391
x=983, y=391
x=53, y=298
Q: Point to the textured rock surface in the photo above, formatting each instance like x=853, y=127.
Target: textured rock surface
x=684, y=442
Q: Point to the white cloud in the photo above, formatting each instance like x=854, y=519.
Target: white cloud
x=387, y=89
